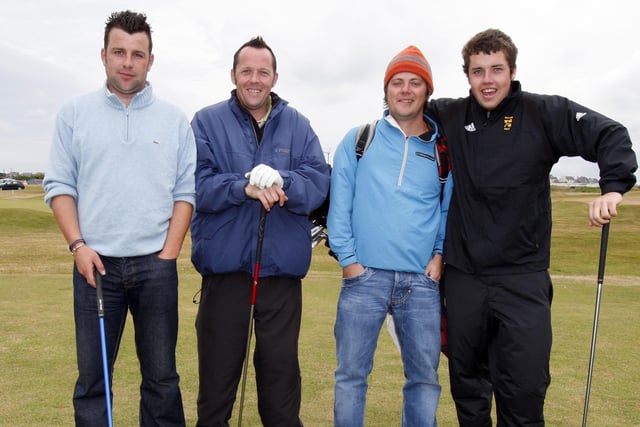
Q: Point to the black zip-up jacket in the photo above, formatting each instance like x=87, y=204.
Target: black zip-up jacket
x=500, y=215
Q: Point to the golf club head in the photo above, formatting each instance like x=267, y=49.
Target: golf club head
x=317, y=235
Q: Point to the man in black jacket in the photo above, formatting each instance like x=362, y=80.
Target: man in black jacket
x=503, y=143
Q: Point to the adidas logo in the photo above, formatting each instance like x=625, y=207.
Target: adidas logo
x=470, y=127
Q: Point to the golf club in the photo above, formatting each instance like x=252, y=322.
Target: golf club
x=603, y=256
x=317, y=234
x=254, y=293
x=103, y=346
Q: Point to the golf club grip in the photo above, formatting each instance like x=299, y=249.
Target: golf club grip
x=99, y=295
x=603, y=251
x=263, y=220
x=256, y=269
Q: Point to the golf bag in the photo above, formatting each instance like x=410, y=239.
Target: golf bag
x=318, y=220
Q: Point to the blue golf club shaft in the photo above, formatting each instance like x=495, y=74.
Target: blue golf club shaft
x=103, y=346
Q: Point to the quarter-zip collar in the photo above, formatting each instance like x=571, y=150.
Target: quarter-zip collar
x=430, y=123
x=139, y=100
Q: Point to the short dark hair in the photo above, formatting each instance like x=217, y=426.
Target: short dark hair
x=131, y=22
x=490, y=41
x=257, y=43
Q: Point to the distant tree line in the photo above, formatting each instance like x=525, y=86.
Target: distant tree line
x=22, y=176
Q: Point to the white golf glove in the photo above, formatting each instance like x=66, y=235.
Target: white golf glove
x=264, y=176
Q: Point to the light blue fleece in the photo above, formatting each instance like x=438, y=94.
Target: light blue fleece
x=385, y=209
x=125, y=167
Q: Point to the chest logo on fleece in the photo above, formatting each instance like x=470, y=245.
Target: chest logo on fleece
x=508, y=122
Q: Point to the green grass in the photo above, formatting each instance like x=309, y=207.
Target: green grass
x=37, y=348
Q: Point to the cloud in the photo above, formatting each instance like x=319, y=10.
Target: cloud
x=33, y=91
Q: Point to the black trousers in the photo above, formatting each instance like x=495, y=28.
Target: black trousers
x=499, y=336
x=222, y=326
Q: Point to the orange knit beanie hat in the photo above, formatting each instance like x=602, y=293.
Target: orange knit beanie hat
x=410, y=60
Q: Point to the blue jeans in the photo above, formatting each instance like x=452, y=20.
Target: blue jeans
x=148, y=287
x=414, y=302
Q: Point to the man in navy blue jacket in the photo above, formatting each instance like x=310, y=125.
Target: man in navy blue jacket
x=254, y=152
x=503, y=143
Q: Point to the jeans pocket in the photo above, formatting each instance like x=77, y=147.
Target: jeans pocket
x=164, y=260
x=429, y=282
x=352, y=281
x=163, y=268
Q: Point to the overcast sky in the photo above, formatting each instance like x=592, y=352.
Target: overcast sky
x=331, y=55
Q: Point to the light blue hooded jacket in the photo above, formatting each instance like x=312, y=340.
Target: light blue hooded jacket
x=387, y=210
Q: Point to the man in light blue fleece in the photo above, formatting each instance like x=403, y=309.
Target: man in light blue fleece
x=386, y=225
x=121, y=185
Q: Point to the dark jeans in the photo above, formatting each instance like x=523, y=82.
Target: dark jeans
x=148, y=287
x=499, y=333
x=222, y=325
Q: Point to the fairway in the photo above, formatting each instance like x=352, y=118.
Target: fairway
x=37, y=348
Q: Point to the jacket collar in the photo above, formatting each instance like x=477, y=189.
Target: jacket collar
x=507, y=103
x=277, y=104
